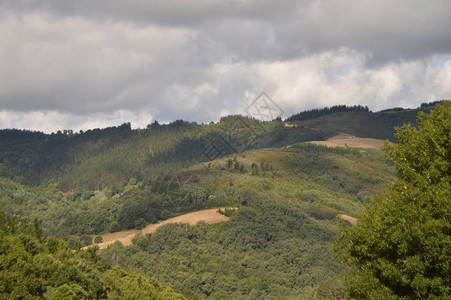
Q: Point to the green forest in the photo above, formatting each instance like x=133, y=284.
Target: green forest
x=285, y=238
x=36, y=267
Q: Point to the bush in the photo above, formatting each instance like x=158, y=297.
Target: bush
x=85, y=240
x=140, y=223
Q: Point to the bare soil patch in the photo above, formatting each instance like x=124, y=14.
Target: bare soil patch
x=343, y=140
x=209, y=216
x=351, y=220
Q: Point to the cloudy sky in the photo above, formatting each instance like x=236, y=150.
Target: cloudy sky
x=95, y=63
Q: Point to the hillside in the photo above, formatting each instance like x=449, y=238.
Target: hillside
x=100, y=158
x=362, y=124
x=347, y=140
x=289, y=195
x=278, y=243
x=33, y=267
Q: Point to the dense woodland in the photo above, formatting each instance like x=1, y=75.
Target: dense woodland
x=315, y=113
x=34, y=267
x=98, y=158
x=277, y=244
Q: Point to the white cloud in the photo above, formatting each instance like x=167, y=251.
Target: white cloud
x=52, y=121
x=443, y=79
x=83, y=63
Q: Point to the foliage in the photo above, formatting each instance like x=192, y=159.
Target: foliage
x=228, y=212
x=400, y=248
x=277, y=244
x=100, y=158
x=36, y=268
x=268, y=248
x=315, y=113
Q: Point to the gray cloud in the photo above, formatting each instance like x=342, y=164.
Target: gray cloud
x=383, y=29
x=82, y=63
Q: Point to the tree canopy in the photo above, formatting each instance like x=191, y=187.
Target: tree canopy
x=33, y=267
x=401, y=246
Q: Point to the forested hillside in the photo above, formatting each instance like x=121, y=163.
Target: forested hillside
x=99, y=158
x=288, y=196
x=34, y=267
x=278, y=243
x=358, y=120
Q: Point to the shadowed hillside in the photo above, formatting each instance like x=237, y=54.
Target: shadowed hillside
x=360, y=122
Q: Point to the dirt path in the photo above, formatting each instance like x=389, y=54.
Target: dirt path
x=343, y=140
x=125, y=237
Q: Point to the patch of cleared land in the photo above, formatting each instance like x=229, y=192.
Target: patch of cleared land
x=351, y=220
x=210, y=216
x=343, y=140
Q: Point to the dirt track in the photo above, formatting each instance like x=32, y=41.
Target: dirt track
x=125, y=237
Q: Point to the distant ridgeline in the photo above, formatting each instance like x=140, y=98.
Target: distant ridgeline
x=98, y=158
x=318, y=112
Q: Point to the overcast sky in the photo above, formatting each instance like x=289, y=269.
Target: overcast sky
x=96, y=63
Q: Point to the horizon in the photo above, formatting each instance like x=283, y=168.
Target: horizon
x=167, y=122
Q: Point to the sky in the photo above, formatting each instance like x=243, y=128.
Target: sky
x=92, y=64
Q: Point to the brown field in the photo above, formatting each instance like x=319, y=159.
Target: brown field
x=351, y=220
x=209, y=216
x=343, y=140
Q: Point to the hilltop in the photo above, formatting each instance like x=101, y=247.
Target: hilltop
x=358, y=120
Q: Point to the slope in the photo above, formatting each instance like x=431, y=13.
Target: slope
x=34, y=267
x=278, y=243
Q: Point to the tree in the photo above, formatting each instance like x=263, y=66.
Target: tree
x=85, y=240
x=401, y=246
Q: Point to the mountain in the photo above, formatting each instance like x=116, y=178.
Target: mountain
x=287, y=195
x=99, y=158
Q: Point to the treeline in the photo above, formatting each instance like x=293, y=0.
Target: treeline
x=424, y=105
x=318, y=112
x=34, y=267
x=431, y=104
